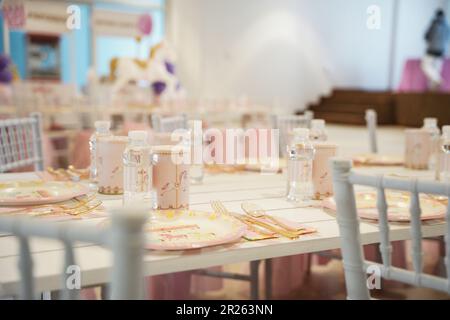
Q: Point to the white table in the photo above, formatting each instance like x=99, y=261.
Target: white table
x=232, y=190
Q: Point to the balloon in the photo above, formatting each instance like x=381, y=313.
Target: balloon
x=145, y=24
x=170, y=67
x=158, y=87
x=5, y=76
x=4, y=61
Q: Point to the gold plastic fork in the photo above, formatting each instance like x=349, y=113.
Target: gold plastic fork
x=80, y=202
x=220, y=208
x=256, y=212
x=82, y=206
x=62, y=174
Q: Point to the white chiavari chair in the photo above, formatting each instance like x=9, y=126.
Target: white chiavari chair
x=309, y=115
x=355, y=267
x=371, y=122
x=21, y=143
x=285, y=124
x=124, y=237
x=169, y=124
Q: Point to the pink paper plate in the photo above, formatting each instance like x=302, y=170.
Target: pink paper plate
x=189, y=229
x=24, y=193
x=398, y=206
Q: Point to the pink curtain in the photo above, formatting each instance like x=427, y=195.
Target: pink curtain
x=414, y=80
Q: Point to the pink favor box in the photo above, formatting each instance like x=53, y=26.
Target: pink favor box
x=110, y=164
x=322, y=179
x=418, y=148
x=170, y=178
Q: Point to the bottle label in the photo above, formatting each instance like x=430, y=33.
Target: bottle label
x=138, y=173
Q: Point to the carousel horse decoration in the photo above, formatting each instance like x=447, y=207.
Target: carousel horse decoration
x=158, y=70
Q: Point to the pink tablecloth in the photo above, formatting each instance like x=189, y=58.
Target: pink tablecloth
x=414, y=80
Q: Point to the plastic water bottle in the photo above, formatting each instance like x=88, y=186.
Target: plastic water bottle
x=430, y=125
x=102, y=129
x=137, y=170
x=300, y=158
x=196, y=171
x=318, y=132
x=445, y=149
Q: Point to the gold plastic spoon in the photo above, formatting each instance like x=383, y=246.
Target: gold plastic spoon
x=256, y=211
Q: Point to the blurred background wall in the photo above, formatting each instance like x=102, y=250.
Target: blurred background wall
x=286, y=53
x=294, y=49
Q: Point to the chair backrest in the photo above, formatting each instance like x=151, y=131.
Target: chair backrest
x=371, y=122
x=309, y=114
x=285, y=124
x=21, y=143
x=354, y=266
x=124, y=237
x=169, y=124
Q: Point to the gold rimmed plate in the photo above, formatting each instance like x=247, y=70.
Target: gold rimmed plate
x=20, y=193
x=191, y=229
